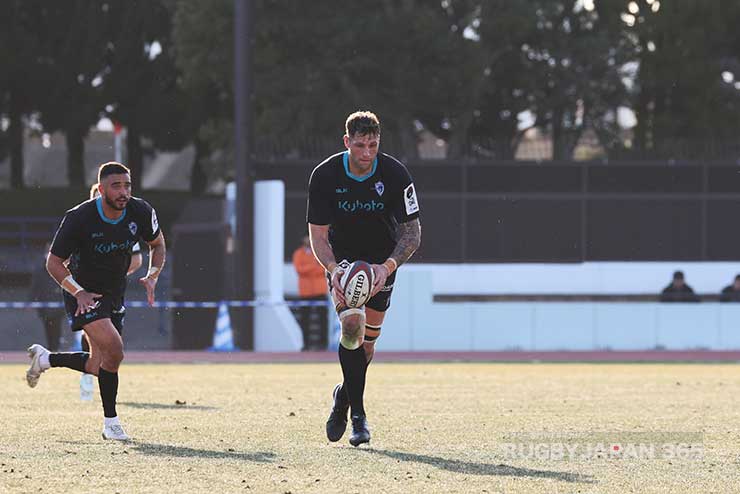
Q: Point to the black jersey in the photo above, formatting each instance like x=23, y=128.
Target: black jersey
x=363, y=212
x=99, y=248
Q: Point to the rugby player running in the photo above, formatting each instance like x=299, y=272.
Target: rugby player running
x=97, y=236
x=362, y=205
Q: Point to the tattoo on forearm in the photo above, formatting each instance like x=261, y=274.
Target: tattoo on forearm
x=409, y=239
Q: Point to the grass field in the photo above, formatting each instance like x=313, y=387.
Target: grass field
x=436, y=428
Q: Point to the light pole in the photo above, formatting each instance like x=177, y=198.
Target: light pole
x=243, y=154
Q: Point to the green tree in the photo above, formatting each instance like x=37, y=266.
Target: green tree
x=575, y=56
x=686, y=98
x=506, y=86
x=429, y=71
x=20, y=79
x=203, y=38
x=73, y=45
x=140, y=84
x=408, y=61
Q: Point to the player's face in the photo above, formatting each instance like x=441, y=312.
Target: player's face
x=362, y=149
x=117, y=190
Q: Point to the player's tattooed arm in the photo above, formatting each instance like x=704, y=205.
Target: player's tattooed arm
x=409, y=239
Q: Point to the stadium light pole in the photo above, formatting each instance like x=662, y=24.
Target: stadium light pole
x=243, y=153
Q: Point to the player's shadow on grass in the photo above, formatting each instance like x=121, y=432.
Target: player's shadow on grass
x=181, y=451
x=185, y=452
x=473, y=468
x=165, y=406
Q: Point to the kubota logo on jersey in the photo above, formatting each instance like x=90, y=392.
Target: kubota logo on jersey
x=109, y=247
x=356, y=206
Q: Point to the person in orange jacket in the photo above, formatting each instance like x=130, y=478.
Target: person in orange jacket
x=311, y=274
x=312, y=285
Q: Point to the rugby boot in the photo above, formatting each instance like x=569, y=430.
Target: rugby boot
x=35, y=352
x=337, y=422
x=112, y=429
x=360, y=432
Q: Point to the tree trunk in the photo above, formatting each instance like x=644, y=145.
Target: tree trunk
x=75, y=157
x=557, y=133
x=459, y=141
x=198, y=177
x=564, y=138
x=15, y=135
x=409, y=147
x=640, y=139
x=135, y=156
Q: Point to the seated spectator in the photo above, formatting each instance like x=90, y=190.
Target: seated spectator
x=678, y=290
x=731, y=293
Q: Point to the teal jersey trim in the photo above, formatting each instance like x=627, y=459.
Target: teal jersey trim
x=99, y=204
x=345, y=160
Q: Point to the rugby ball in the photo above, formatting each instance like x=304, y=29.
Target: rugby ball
x=357, y=283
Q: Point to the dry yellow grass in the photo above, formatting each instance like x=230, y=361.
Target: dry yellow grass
x=436, y=428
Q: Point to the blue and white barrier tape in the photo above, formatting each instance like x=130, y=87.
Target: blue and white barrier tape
x=178, y=305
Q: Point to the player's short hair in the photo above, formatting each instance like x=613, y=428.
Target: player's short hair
x=678, y=275
x=93, y=191
x=362, y=123
x=111, y=168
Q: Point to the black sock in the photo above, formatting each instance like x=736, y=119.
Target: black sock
x=108, y=384
x=345, y=395
x=354, y=368
x=75, y=361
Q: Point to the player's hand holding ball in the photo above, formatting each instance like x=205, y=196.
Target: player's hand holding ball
x=337, y=290
x=382, y=272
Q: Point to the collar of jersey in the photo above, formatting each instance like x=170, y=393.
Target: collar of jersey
x=345, y=160
x=99, y=204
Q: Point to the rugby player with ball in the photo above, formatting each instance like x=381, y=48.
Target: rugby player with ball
x=363, y=219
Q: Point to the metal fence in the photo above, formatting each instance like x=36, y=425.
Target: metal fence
x=559, y=211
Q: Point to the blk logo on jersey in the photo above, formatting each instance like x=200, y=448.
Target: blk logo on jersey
x=132, y=228
x=358, y=206
x=379, y=188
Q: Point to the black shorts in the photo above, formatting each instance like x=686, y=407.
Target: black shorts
x=109, y=308
x=382, y=300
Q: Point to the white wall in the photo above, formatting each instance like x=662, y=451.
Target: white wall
x=577, y=278
x=416, y=323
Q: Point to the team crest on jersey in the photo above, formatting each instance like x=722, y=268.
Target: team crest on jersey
x=132, y=227
x=379, y=188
